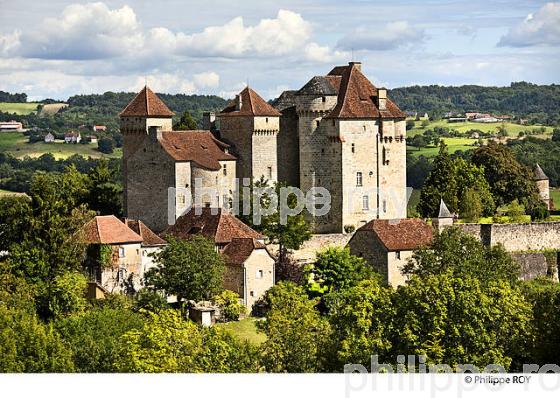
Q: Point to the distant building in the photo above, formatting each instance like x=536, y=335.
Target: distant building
x=72, y=137
x=387, y=245
x=49, y=138
x=99, y=128
x=249, y=265
x=12, y=125
x=457, y=119
x=93, y=139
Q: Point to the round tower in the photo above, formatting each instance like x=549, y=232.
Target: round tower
x=542, y=182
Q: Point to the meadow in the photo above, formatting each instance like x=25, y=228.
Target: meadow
x=19, y=108
x=513, y=129
x=17, y=145
x=245, y=329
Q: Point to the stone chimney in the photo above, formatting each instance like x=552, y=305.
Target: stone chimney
x=238, y=102
x=356, y=64
x=155, y=133
x=382, y=98
x=209, y=121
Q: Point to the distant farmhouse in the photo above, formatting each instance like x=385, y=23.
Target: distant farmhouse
x=49, y=138
x=72, y=137
x=11, y=126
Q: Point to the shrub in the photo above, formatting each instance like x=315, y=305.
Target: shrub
x=230, y=308
x=349, y=229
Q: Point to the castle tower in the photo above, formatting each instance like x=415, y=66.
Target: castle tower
x=144, y=111
x=444, y=218
x=352, y=143
x=251, y=126
x=542, y=182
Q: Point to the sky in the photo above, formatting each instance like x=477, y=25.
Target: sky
x=58, y=48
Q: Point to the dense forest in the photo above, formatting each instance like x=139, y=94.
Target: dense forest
x=538, y=103
x=7, y=97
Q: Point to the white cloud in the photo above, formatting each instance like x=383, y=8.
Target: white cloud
x=9, y=42
x=207, y=80
x=315, y=52
x=83, y=32
x=388, y=37
x=542, y=27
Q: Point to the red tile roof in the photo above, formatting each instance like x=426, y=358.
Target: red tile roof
x=146, y=103
x=197, y=146
x=213, y=223
x=149, y=238
x=239, y=250
x=108, y=230
x=356, y=96
x=404, y=234
x=252, y=104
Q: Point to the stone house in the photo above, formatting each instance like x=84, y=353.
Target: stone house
x=387, y=245
x=350, y=141
x=49, y=138
x=151, y=244
x=72, y=137
x=249, y=265
x=163, y=169
x=115, y=252
x=251, y=126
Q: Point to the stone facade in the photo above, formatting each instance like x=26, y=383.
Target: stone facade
x=126, y=267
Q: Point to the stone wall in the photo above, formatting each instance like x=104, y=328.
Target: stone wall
x=534, y=265
x=287, y=150
x=259, y=276
x=238, y=132
x=307, y=253
x=517, y=237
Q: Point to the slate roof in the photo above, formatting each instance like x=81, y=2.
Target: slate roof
x=199, y=146
x=239, y=250
x=318, y=85
x=149, y=238
x=443, y=210
x=213, y=223
x=404, y=234
x=146, y=103
x=356, y=97
x=108, y=230
x=286, y=100
x=252, y=104
x=539, y=173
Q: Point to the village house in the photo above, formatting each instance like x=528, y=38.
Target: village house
x=99, y=128
x=12, y=125
x=49, y=138
x=116, y=252
x=92, y=139
x=249, y=264
x=72, y=137
x=388, y=245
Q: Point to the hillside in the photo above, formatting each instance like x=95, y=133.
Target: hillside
x=539, y=103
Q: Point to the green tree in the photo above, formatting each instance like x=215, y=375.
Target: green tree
x=96, y=336
x=409, y=124
x=167, y=343
x=29, y=346
x=67, y=294
x=361, y=319
x=186, y=122
x=190, y=269
x=418, y=141
x=455, y=320
x=335, y=268
x=471, y=206
x=230, y=307
x=105, y=194
x=463, y=255
x=106, y=145
x=297, y=334
x=471, y=177
x=516, y=212
x=441, y=183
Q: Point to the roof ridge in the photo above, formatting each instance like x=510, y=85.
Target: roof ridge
x=250, y=92
x=147, y=103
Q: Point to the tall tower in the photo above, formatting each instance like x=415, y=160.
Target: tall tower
x=251, y=126
x=542, y=182
x=144, y=111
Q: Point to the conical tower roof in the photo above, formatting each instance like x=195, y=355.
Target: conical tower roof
x=539, y=173
x=443, y=210
x=147, y=103
x=252, y=104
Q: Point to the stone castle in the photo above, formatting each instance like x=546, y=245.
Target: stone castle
x=338, y=132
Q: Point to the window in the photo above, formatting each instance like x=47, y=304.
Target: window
x=384, y=206
x=324, y=99
x=260, y=274
x=269, y=172
x=225, y=169
x=398, y=255
x=353, y=148
x=317, y=123
x=181, y=199
x=121, y=252
x=322, y=151
x=359, y=181
x=252, y=293
x=267, y=120
x=121, y=274
x=365, y=202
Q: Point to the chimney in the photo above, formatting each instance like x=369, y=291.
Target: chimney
x=238, y=102
x=356, y=64
x=209, y=121
x=382, y=98
x=155, y=133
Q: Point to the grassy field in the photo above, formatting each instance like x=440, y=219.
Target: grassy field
x=51, y=109
x=454, y=144
x=555, y=195
x=413, y=202
x=245, y=329
x=3, y=192
x=513, y=129
x=20, y=108
x=16, y=144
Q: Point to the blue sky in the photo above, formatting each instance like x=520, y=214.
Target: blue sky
x=63, y=47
